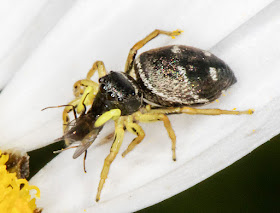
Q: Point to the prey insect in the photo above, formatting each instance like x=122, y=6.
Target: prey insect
x=159, y=82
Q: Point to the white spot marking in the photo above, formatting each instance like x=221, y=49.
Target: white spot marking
x=206, y=53
x=182, y=70
x=137, y=61
x=194, y=96
x=151, y=103
x=202, y=100
x=175, y=49
x=213, y=73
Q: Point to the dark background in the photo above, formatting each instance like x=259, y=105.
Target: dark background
x=249, y=185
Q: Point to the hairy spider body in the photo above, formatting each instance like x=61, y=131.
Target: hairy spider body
x=168, y=80
x=118, y=91
x=179, y=75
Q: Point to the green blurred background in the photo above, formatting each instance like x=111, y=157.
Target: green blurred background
x=249, y=185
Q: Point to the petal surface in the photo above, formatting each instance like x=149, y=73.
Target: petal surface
x=205, y=144
x=23, y=25
x=242, y=34
x=104, y=31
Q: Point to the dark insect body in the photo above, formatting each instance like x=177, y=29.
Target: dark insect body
x=168, y=80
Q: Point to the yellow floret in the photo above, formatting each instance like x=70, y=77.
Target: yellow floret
x=14, y=192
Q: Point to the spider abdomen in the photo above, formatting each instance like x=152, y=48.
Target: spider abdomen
x=180, y=75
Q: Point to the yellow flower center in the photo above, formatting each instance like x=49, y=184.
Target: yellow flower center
x=14, y=192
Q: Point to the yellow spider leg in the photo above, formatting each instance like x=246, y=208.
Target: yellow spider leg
x=78, y=90
x=119, y=133
x=135, y=129
x=84, y=96
x=140, y=44
x=78, y=103
x=65, y=117
x=194, y=111
x=112, y=114
x=91, y=87
x=86, y=99
x=148, y=117
x=100, y=67
x=67, y=109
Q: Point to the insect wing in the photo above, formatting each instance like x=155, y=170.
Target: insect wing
x=86, y=142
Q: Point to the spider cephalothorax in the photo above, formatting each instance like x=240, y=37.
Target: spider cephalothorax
x=118, y=91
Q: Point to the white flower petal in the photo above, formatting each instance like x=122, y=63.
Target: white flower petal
x=23, y=25
x=102, y=31
x=205, y=144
